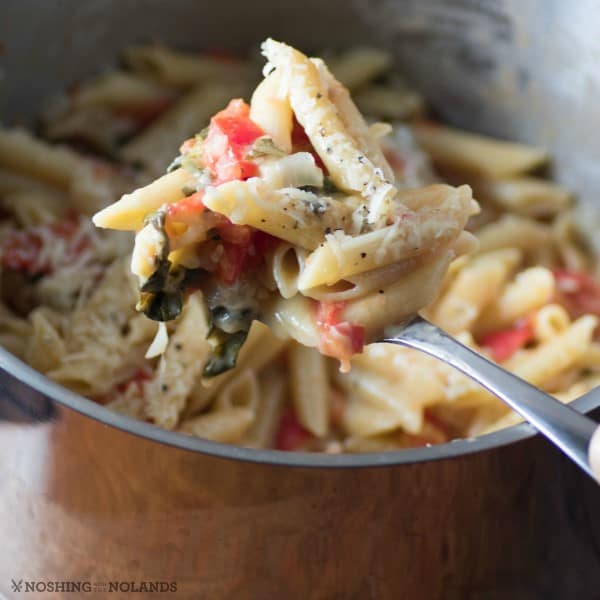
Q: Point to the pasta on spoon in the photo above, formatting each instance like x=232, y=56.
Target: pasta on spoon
x=286, y=211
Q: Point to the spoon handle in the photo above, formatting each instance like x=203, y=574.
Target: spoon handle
x=568, y=429
x=594, y=454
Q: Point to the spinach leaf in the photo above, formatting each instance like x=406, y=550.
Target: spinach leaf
x=225, y=353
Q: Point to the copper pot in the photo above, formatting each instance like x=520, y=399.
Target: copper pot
x=92, y=499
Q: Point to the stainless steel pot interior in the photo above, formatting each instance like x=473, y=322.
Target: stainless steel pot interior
x=518, y=70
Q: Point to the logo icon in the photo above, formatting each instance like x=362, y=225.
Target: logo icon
x=16, y=586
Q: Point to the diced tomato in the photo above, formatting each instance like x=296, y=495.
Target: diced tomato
x=503, y=344
x=290, y=434
x=21, y=250
x=143, y=114
x=339, y=338
x=230, y=136
x=231, y=262
x=578, y=292
x=244, y=248
x=302, y=143
x=185, y=211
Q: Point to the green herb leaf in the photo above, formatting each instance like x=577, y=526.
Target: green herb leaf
x=264, y=146
x=225, y=353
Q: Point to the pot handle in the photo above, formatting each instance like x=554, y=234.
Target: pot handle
x=594, y=454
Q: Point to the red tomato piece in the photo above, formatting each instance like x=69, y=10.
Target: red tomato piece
x=290, y=434
x=185, y=211
x=578, y=292
x=230, y=135
x=244, y=248
x=503, y=344
x=339, y=338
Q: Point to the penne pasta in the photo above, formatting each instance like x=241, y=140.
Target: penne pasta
x=309, y=388
x=477, y=154
x=288, y=232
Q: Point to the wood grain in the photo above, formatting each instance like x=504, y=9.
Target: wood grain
x=80, y=500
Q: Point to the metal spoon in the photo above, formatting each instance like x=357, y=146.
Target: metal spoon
x=575, y=434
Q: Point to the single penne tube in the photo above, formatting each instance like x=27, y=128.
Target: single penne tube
x=476, y=286
x=294, y=318
x=262, y=432
x=309, y=388
x=45, y=347
x=288, y=214
x=526, y=196
x=549, y=321
x=241, y=391
x=226, y=426
x=512, y=231
x=156, y=146
x=286, y=263
x=432, y=226
x=183, y=69
x=558, y=354
x=571, y=245
x=270, y=109
x=366, y=419
x=358, y=66
x=389, y=103
x=531, y=289
x=362, y=284
x=354, y=121
x=346, y=162
x=477, y=154
x=31, y=157
x=129, y=212
x=120, y=89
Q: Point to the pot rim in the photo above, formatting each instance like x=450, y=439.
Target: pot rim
x=455, y=448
